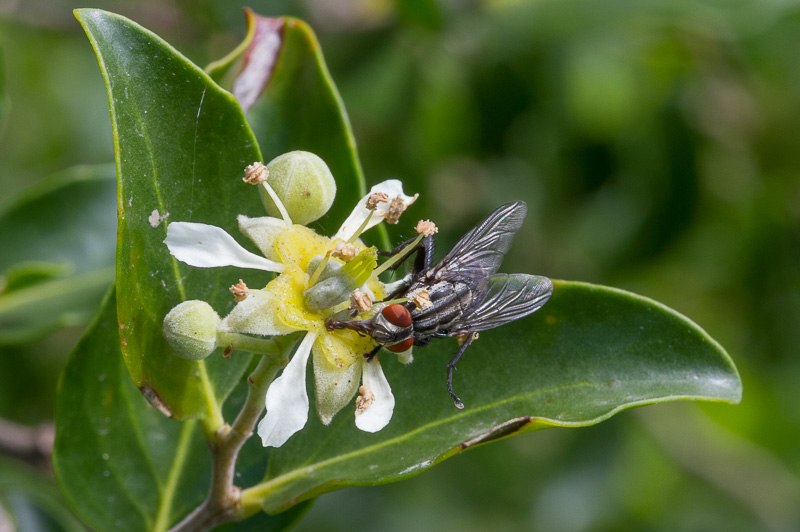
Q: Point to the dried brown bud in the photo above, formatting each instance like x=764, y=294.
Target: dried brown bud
x=426, y=228
x=239, y=291
x=422, y=299
x=255, y=174
x=375, y=198
x=359, y=301
x=364, y=400
x=345, y=251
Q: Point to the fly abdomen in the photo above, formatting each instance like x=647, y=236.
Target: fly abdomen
x=449, y=302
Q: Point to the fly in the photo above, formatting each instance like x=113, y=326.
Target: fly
x=466, y=294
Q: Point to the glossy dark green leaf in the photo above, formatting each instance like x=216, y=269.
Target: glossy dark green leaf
x=121, y=464
x=182, y=144
x=58, y=240
x=589, y=353
x=292, y=103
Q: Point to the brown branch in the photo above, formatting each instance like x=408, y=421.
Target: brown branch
x=222, y=503
x=33, y=445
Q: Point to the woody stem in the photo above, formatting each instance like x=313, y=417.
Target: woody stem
x=223, y=501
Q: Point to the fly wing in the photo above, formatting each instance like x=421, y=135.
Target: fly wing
x=508, y=298
x=480, y=252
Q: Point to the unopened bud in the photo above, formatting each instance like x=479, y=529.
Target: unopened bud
x=191, y=329
x=303, y=183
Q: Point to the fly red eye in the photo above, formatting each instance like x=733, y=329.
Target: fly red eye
x=397, y=315
x=405, y=345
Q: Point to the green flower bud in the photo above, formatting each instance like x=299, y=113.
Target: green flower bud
x=303, y=182
x=191, y=329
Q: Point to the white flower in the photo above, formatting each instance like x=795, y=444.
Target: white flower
x=282, y=307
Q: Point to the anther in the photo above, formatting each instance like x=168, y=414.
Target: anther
x=359, y=301
x=426, y=228
x=375, y=198
x=345, y=251
x=364, y=400
x=461, y=338
x=396, y=208
x=422, y=299
x=255, y=174
x=239, y=291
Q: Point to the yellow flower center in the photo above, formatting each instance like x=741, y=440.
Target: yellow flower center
x=296, y=247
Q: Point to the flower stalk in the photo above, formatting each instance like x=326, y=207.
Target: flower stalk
x=223, y=503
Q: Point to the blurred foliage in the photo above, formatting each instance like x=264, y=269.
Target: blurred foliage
x=654, y=144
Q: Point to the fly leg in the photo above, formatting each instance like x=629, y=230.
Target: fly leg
x=369, y=356
x=470, y=336
x=423, y=259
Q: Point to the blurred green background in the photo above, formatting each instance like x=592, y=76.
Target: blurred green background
x=656, y=144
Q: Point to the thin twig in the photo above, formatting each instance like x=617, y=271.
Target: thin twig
x=30, y=444
x=222, y=503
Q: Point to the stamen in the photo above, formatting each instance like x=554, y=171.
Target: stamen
x=422, y=299
x=461, y=338
x=398, y=301
x=375, y=198
x=364, y=400
x=239, y=291
x=345, y=251
x=361, y=229
x=279, y=204
x=359, y=301
x=396, y=208
x=396, y=258
x=257, y=174
x=426, y=228
x=320, y=269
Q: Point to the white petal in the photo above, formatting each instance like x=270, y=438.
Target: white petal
x=256, y=315
x=287, y=399
x=208, y=246
x=392, y=188
x=334, y=386
x=262, y=231
x=378, y=414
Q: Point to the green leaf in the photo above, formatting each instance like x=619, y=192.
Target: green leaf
x=292, y=103
x=4, y=104
x=589, y=353
x=121, y=464
x=58, y=241
x=182, y=145
x=32, y=501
